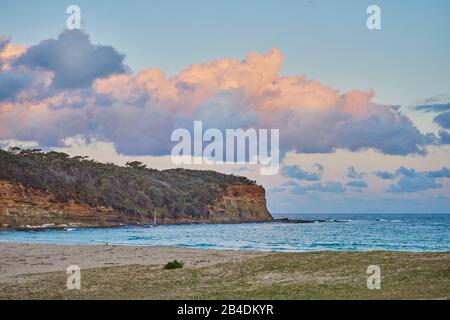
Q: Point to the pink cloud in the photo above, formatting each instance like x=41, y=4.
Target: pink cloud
x=137, y=112
x=8, y=53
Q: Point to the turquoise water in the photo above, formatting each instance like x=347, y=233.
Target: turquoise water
x=354, y=232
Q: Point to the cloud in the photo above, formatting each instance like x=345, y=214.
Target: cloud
x=413, y=181
x=3, y=43
x=414, y=184
x=290, y=184
x=8, y=53
x=442, y=173
x=443, y=117
x=385, y=175
x=297, y=173
x=138, y=112
x=73, y=59
x=353, y=174
x=443, y=120
x=439, y=107
x=328, y=187
x=301, y=189
x=357, y=184
x=12, y=83
x=444, y=137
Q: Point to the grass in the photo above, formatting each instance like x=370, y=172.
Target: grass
x=322, y=275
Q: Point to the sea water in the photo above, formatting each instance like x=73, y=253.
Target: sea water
x=400, y=232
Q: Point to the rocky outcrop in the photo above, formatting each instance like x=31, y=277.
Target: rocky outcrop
x=241, y=203
x=28, y=208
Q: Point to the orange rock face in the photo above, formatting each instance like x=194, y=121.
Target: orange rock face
x=28, y=208
x=22, y=207
x=241, y=203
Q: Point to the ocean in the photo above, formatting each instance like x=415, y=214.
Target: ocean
x=362, y=232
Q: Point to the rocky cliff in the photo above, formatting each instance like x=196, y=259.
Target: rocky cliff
x=240, y=203
x=42, y=190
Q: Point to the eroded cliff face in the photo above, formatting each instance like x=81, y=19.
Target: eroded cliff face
x=241, y=203
x=22, y=207
x=27, y=208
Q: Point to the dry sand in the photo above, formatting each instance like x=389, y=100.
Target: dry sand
x=22, y=259
x=121, y=272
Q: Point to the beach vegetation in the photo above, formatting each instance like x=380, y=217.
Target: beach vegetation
x=175, y=264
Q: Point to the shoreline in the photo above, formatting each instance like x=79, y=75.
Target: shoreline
x=123, y=225
x=170, y=223
x=268, y=251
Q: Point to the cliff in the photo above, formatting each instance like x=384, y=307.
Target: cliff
x=240, y=203
x=52, y=190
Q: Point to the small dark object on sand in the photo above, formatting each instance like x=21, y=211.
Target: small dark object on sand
x=174, y=265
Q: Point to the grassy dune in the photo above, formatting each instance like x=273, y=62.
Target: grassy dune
x=322, y=275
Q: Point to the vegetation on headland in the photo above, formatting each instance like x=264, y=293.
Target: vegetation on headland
x=314, y=275
x=133, y=189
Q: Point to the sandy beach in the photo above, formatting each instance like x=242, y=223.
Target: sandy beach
x=23, y=259
x=119, y=272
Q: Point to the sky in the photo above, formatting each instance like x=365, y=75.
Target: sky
x=363, y=114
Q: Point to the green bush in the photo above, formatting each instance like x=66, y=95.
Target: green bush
x=175, y=264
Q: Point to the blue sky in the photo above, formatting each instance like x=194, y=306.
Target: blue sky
x=95, y=106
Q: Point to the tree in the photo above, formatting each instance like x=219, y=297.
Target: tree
x=136, y=165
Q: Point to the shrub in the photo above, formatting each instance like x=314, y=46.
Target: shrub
x=175, y=264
